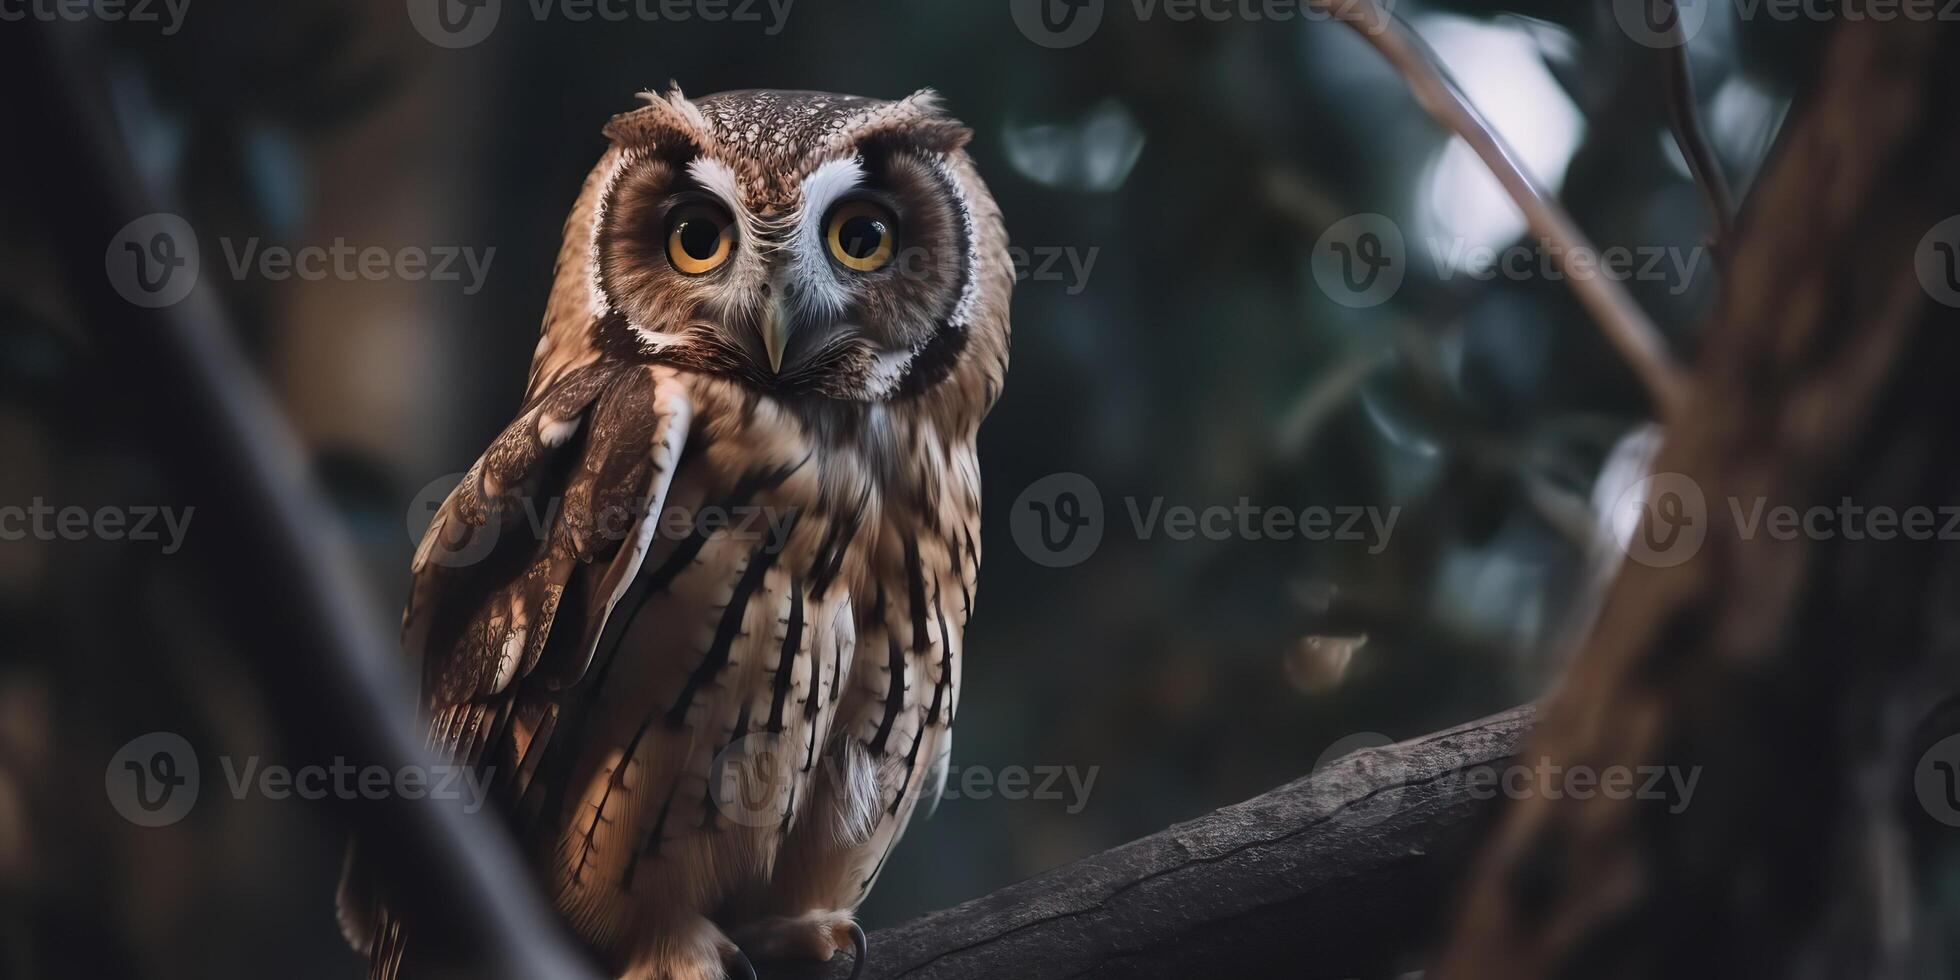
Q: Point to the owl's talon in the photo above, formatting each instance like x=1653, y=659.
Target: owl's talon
x=739, y=967
x=861, y=947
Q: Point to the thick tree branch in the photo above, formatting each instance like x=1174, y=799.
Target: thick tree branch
x=1788, y=670
x=1337, y=875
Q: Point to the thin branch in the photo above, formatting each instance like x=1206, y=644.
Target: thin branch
x=1684, y=117
x=1626, y=326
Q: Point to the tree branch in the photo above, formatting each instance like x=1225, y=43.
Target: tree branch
x=1337, y=875
x=1626, y=326
x=333, y=678
x=1684, y=117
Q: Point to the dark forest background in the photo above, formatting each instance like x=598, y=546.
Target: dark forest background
x=1200, y=362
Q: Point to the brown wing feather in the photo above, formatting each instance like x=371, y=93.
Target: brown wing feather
x=588, y=463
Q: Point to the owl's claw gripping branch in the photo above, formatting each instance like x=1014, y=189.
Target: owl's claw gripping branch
x=861, y=947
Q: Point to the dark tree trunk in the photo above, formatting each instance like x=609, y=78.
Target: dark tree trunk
x=1789, y=672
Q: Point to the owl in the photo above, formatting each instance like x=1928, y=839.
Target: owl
x=697, y=612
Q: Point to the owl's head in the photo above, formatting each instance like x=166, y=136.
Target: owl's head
x=802, y=242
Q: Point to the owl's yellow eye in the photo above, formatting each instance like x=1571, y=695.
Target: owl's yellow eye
x=699, y=239
x=862, y=235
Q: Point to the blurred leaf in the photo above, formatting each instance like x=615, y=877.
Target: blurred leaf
x=1095, y=154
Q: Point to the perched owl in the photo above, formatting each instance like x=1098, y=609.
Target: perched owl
x=714, y=692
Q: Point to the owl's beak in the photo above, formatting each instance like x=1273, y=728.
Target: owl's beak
x=776, y=326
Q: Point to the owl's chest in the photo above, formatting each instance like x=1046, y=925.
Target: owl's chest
x=842, y=494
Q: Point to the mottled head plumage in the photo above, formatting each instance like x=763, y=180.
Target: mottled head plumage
x=782, y=308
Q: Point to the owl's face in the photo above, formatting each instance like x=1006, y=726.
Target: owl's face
x=802, y=242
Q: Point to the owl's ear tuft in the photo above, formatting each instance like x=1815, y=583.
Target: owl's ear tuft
x=668, y=122
x=916, y=121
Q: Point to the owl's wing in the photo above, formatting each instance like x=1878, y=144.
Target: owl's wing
x=579, y=479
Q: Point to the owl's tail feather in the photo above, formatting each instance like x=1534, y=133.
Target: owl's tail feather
x=373, y=930
x=385, y=960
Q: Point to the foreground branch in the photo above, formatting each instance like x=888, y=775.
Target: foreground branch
x=331, y=677
x=1336, y=875
x=1789, y=672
